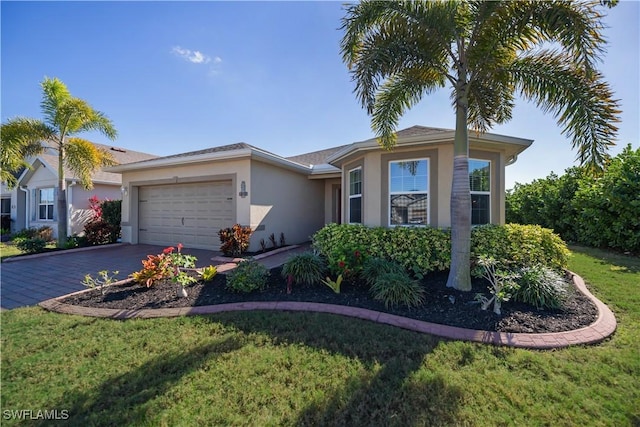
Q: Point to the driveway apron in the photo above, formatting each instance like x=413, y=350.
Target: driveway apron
x=31, y=280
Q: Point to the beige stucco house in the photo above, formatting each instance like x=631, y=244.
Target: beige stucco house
x=187, y=198
x=33, y=202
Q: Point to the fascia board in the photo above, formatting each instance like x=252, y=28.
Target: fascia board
x=180, y=161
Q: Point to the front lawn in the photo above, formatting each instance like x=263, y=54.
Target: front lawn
x=264, y=368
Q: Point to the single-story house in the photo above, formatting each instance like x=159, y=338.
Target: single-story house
x=33, y=202
x=186, y=198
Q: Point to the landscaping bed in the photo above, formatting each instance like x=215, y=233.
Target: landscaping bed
x=441, y=305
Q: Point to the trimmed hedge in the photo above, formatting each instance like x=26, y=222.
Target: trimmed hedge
x=426, y=249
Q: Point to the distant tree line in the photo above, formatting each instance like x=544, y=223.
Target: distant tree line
x=599, y=211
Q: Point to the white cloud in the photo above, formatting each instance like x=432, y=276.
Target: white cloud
x=193, y=56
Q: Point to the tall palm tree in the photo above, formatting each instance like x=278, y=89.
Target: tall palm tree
x=487, y=52
x=64, y=117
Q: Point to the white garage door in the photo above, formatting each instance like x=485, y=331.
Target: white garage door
x=190, y=214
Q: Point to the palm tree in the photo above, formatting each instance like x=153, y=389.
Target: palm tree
x=64, y=117
x=487, y=51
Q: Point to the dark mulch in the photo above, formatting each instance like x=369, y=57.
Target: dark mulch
x=442, y=305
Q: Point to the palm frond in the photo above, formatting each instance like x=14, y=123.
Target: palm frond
x=54, y=93
x=84, y=159
x=581, y=101
x=20, y=137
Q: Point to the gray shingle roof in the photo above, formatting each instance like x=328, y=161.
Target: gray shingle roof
x=315, y=157
x=121, y=155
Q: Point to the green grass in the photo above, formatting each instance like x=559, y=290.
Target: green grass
x=264, y=368
x=8, y=249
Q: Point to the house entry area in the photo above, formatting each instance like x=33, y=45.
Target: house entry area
x=191, y=214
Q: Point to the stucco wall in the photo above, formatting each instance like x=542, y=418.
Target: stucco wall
x=375, y=184
x=284, y=201
x=78, y=199
x=236, y=170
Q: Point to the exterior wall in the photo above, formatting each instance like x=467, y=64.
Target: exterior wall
x=41, y=177
x=78, y=201
x=284, y=201
x=375, y=182
x=333, y=207
x=235, y=170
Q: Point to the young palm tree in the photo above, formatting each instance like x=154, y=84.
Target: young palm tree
x=64, y=117
x=487, y=52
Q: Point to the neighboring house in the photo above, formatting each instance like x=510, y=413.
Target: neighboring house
x=33, y=202
x=187, y=198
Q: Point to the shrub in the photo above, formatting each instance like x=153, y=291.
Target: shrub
x=375, y=267
x=419, y=249
x=100, y=233
x=30, y=245
x=5, y=224
x=515, y=245
x=346, y=260
x=45, y=233
x=75, y=241
x=234, y=240
x=397, y=288
x=247, y=277
x=166, y=265
x=306, y=268
x=540, y=287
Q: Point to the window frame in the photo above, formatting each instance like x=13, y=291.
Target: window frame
x=46, y=204
x=5, y=199
x=427, y=192
x=355, y=195
x=481, y=193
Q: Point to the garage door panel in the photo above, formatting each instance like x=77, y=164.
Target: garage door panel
x=191, y=214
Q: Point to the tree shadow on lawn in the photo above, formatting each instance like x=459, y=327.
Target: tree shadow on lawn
x=121, y=400
x=392, y=391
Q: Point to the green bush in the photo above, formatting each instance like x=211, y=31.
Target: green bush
x=540, y=287
x=418, y=249
x=375, y=267
x=426, y=249
x=304, y=268
x=397, y=289
x=30, y=246
x=45, y=233
x=247, y=277
x=515, y=245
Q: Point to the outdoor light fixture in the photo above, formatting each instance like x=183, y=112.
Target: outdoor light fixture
x=124, y=190
x=243, y=190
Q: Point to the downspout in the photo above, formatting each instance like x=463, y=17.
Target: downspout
x=27, y=205
x=70, y=206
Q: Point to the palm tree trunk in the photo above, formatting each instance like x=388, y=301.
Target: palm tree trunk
x=62, y=199
x=460, y=275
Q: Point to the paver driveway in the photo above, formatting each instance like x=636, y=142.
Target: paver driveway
x=29, y=281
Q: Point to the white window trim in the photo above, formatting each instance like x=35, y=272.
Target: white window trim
x=53, y=202
x=486, y=193
x=428, y=192
x=354, y=196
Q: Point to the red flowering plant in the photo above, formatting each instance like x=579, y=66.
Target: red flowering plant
x=347, y=261
x=170, y=264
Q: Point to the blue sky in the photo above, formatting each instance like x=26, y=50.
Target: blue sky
x=176, y=77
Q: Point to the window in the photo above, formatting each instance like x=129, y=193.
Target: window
x=6, y=206
x=408, y=192
x=355, y=195
x=45, y=204
x=480, y=183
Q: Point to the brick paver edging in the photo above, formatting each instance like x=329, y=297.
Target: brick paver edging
x=603, y=327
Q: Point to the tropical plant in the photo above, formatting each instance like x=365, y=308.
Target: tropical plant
x=541, y=287
x=399, y=51
x=502, y=284
x=247, y=277
x=334, y=284
x=167, y=265
x=31, y=245
x=64, y=117
x=208, y=273
x=306, y=267
x=395, y=289
x=101, y=280
x=373, y=268
x=234, y=240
